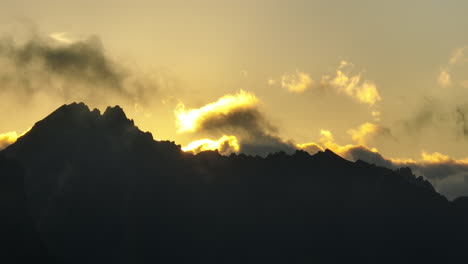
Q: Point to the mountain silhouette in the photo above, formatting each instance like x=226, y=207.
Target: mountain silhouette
x=86, y=187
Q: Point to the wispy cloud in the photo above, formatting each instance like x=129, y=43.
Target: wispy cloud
x=458, y=56
x=457, y=59
x=72, y=70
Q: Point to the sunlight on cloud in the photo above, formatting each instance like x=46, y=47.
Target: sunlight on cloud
x=444, y=78
x=376, y=115
x=366, y=132
x=327, y=141
x=367, y=93
x=352, y=85
x=237, y=115
x=437, y=157
x=9, y=138
x=444, y=172
x=343, y=82
x=298, y=82
x=402, y=161
x=457, y=59
x=225, y=145
x=312, y=148
x=458, y=56
x=61, y=37
x=189, y=120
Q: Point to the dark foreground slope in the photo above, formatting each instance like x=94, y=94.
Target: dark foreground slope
x=98, y=190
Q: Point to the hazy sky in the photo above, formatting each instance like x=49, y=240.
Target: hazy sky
x=399, y=66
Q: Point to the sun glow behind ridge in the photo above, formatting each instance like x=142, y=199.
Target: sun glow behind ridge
x=188, y=120
x=225, y=145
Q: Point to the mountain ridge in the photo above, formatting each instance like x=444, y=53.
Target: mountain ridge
x=117, y=116
x=99, y=189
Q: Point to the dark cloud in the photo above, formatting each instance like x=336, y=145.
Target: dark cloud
x=265, y=145
x=462, y=119
x=361, y=153
x=249, y=122
x=435, y=114
x=257, y=135
x=449, y=177
x=79, y=70
x=427, y=115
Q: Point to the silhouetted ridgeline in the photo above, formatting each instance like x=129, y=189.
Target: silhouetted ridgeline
x=82, y=187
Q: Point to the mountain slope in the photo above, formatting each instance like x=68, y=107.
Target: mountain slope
x=100, y=190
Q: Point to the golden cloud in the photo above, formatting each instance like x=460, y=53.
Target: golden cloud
x=458, y=58
x=225, y=145
x=61, y=37
x=444, y=79
x=367, y=132
x=190, y=120
x=9, y=138
x=298, y=82
x=445, y=173
x=311, y=148
x=363, y=91
x=437, y=157
x=327, y=141
x=360, y=135
x=376, y=115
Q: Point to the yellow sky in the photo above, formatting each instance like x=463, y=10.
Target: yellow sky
x=312, y=65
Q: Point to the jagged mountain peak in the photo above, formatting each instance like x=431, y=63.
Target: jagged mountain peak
x=74, y=128
x=77, y=113
x=330, y=156
x=117, y=115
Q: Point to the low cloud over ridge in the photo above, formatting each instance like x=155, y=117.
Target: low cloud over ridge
x=9, y=138
x=225, y=145
x=233, y=114
x=449, y=176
